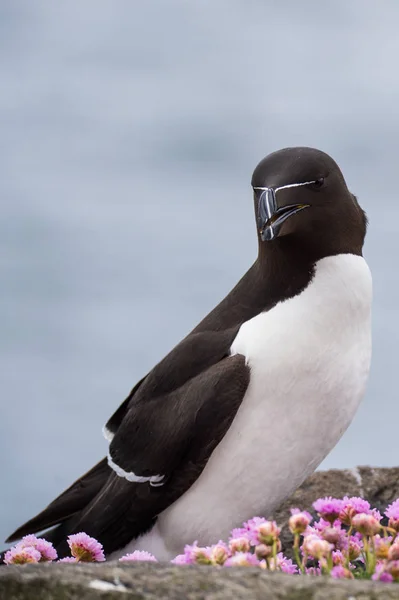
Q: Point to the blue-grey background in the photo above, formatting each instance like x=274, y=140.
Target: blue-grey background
x=129, y=132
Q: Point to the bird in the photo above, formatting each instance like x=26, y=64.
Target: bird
x=237, y=415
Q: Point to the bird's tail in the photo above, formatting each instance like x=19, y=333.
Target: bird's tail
x=64, y=510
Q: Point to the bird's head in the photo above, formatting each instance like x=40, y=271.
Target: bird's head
x=301, y=194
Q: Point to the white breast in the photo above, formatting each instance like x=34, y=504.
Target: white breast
x=309, y=360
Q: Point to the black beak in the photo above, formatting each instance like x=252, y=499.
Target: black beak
x=270, y=218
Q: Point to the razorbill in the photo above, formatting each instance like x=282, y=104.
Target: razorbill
x=246, y=406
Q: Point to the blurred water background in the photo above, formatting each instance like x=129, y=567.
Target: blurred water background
x=129, y=132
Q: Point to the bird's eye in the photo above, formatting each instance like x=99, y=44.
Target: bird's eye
x=318, y=183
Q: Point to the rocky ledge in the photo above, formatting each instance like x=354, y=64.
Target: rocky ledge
x=149, y=581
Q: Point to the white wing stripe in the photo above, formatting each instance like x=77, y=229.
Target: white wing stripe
x=130, y=476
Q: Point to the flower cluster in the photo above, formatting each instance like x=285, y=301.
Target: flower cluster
x=257, y=543
x=347, y=540
x=33, y=550
x=30, y=550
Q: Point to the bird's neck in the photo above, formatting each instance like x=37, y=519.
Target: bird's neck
x=285, y=268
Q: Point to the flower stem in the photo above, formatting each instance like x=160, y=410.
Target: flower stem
x=296, y=553
x=366, y=545
x=274, y=551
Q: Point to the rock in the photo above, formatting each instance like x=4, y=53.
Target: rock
x=149, y=581
x=112, y=580
x=377, y=485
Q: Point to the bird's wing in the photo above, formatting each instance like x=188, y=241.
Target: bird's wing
x=178, y=379
x=176, y=443
x=113, y=423
x=165, y=394
x=194, y=354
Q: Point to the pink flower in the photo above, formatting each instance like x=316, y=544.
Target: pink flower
x=202, y=556
x=392, y=512
x=46, y=549
x=357, y=537
x=332, y=535
x=85, y=548
x=338, y=557
x=138, y=555
x=219, y=553
x=67, y=559
x=351, y=507
x=339, y=572
x=354, y=548
x=239, y=532
x=382, y=546
x=299, y=521
x=194, y=554
x=316, y=547
x=392, y=567
x=251, y=525
x=186, y=558
x=357, y=504
x=366, y=524
x=322, y=524
x=181, y=559
x=262, y=551
x=383, y=576
x=242, y=559
x=376, y=514
x=239, y=544
x=20, y=556
x=313, y=531
x=393, y=551
x=283, y=564
x=262, y=531
x=328, y=508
